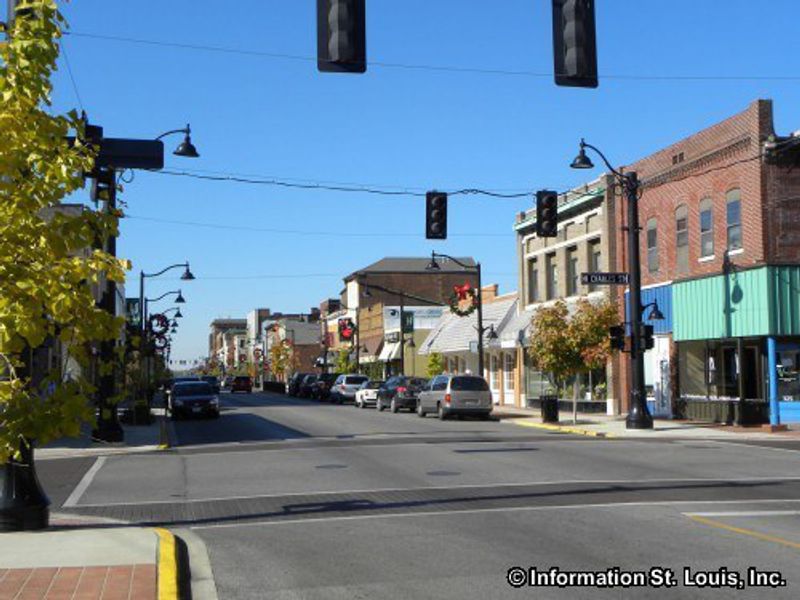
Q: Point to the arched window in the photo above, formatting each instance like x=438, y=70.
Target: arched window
x=652, y=245
x=682, y=239
x=706, y=228
x=733, y=211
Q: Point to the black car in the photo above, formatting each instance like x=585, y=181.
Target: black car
x=306, y=385
x=193, y=398
x=293, y=386
x=212, y=381
x=321, y=389
x=399, y=392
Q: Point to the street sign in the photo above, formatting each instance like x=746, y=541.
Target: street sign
x=408, y=322
x=604, y=278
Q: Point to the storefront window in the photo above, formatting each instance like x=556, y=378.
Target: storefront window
x=508, y=372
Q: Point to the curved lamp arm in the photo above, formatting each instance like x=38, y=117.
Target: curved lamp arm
x=175, y=266
x=186, y=130
x=434, y=254
x=162, y=296
x=584, y=144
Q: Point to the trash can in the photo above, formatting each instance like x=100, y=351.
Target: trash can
x=549, y=409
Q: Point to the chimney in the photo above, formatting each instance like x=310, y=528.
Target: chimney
x=489, y=292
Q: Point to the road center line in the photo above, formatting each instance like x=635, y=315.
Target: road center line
x=449, y=513
x=748, y=532
x=753, y=513
x=85, y=482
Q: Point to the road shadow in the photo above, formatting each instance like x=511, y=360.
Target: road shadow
x=233, y=427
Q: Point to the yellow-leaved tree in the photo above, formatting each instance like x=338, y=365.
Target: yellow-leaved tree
x=48, y=263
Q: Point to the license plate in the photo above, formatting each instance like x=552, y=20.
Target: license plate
x=470, y=402
x=196, y=409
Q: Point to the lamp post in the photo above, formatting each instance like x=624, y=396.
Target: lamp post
x=434, y=266
x=638, y=415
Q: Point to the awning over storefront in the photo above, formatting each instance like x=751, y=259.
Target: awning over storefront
x=389, y=352
x=516, y=330
x=455, y=334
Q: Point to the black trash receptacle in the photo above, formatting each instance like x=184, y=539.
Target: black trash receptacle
x=549, y=409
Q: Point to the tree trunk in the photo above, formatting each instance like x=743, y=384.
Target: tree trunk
x=575, y=388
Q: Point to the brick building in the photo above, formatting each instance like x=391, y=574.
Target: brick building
x=720, y=248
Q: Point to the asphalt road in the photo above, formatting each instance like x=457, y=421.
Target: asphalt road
x=296, y=499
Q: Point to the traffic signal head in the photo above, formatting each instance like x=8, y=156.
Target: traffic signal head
x=436, y=215
x=104, y=186
x=574, y=43
x=617, y=335
x=341, y=36
x=546, y=213
x=646, y=337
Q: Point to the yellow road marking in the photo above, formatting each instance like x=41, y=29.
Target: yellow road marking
x=747, y=532
x=563, y=429
x=167, y=565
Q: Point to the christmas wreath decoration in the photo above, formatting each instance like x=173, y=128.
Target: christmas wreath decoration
x=161, y=342
x=159, y=324
x=462, y=294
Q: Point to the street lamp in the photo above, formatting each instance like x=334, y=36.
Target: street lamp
x=179, y=300
x=638, y=415
x=434, y=266
x=185, y=276
x=186, y=148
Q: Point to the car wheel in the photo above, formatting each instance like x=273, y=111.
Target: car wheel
x=379, y=406
x=215, y=414
x=363, y=405
x=393, y=406
x=420, y=412
x=441, y=414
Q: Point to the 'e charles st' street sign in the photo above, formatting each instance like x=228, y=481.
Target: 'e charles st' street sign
x=604, y=278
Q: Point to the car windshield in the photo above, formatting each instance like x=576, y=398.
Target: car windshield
x=193, y=389
x=373, y=385
x=469, y=384
x=210, y=379
x=355, y=380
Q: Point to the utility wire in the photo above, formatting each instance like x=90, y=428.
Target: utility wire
x=71, y=76
x=337, y=234
x=424, y=67
x=336, y=188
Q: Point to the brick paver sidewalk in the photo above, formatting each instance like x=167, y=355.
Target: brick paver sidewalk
x=119, y=582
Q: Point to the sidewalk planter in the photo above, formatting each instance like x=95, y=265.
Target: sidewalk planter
x=726, y=411
x=23, y=503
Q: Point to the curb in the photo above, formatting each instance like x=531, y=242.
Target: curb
x=564, y=429
x=172, y=566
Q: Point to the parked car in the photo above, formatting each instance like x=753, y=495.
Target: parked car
x=170, y=383
x=242, y=383
x=367, y=394
x=321, y=388
x=448, y=395
x=293, y=385
x=399, y=392
x=345, y=387
x=306, y=384
x=212, y=381
x=226, y=383
x=193, y=398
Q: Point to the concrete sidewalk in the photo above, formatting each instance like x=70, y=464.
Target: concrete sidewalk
x=599, y=425
x=137, y=438
x=91, y=562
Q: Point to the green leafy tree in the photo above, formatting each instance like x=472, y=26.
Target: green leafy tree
x=435, y=364
x=373, y=369
x=47, y=266
x=283, y=359
x=343, y=362
x=564, y=346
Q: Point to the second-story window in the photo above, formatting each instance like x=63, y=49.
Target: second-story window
x=552, y=276
x=533, y=281
x=572, y=271
x=682, y=239
x=652, y=245
x=733, y=203
x=595, y=258
x=706, y=228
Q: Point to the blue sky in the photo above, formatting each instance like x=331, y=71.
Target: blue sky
x=407, y=127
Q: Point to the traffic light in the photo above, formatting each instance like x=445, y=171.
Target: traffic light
x=617, y=335
x=646, y=337
x=436, y=216
x=341, y=36
x=104, y=186
x=574, y=43
x=546, y=213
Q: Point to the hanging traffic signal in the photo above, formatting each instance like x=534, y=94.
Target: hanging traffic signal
x=574, y=43
x=104, y=186
x=546, y=213
x=436, y=215
x=617, y=335
x=341, y=36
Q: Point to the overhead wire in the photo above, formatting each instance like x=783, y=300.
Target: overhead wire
x=421, y=66
x=71, y=75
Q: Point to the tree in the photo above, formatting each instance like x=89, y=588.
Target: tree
x=343, y=362
x=563, y=347
x=47, y=265
x=283, y=359
x=435, y=364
